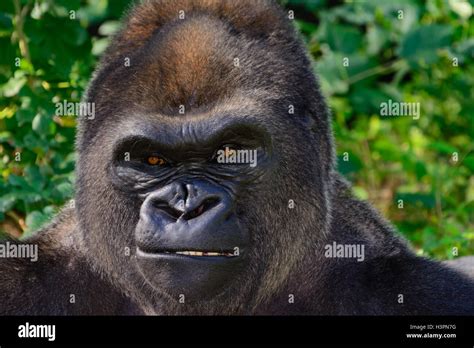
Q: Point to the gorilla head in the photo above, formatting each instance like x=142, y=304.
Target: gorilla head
x=181, y=84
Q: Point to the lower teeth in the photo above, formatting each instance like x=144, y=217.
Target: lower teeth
x=201, y=253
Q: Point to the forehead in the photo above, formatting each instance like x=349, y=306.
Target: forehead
x=240, y=108
x=198, y=62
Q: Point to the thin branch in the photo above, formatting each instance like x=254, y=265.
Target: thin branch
x=20, y=16
x=375, y=71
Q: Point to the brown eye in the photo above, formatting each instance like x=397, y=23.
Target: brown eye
x=155, y=161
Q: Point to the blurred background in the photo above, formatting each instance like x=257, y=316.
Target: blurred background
x=419, y=173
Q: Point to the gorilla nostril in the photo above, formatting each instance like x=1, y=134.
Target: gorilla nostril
x=208, y=204
x=195, y=213
x=200, y=209
x=170, y=211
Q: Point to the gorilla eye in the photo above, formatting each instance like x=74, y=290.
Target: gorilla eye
x=155, y=161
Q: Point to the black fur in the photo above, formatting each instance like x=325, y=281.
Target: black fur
x=190, y=62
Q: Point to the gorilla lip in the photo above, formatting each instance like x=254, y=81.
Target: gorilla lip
x=201, y=253
x=200, y=274
x=195, y=253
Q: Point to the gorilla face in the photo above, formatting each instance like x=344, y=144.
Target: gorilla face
x=211, y=231
x=149, y=176
x=189, y=237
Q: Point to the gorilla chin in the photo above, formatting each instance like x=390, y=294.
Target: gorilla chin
x=188, y=240
x=196, y=277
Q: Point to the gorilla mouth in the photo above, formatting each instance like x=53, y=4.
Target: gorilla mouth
x=201, y=253
x=193, y=253
x=200, y=274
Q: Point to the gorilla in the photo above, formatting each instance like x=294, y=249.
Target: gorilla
x=163, y=225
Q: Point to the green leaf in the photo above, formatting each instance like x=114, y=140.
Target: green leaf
x=443, y=147
x=420, y=170
x=356, y=13
x=18, y=181
x=5, y=136
x=7, y=202
x=7, y=53
x=13, y=86
x=367, y=101
x=109, y=28
x=34, y=221
x=34, y=177
x=377, y=38
x=117, y=8
x=99, y=46
x=469, y=162
x=421, y=44
x=343, y=38
x=69, y=4
x=24, y=116
x=41, y=124
x=332, y=74
x=64, y=190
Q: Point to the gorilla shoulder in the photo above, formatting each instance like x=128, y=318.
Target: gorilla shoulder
x=391, y=279
x=55, y=279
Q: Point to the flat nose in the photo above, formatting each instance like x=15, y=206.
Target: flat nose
x=195, y=215
x=186, y=201
x=206, y=204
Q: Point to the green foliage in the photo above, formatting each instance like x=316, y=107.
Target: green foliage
x=419, y=172
x=48, y=53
